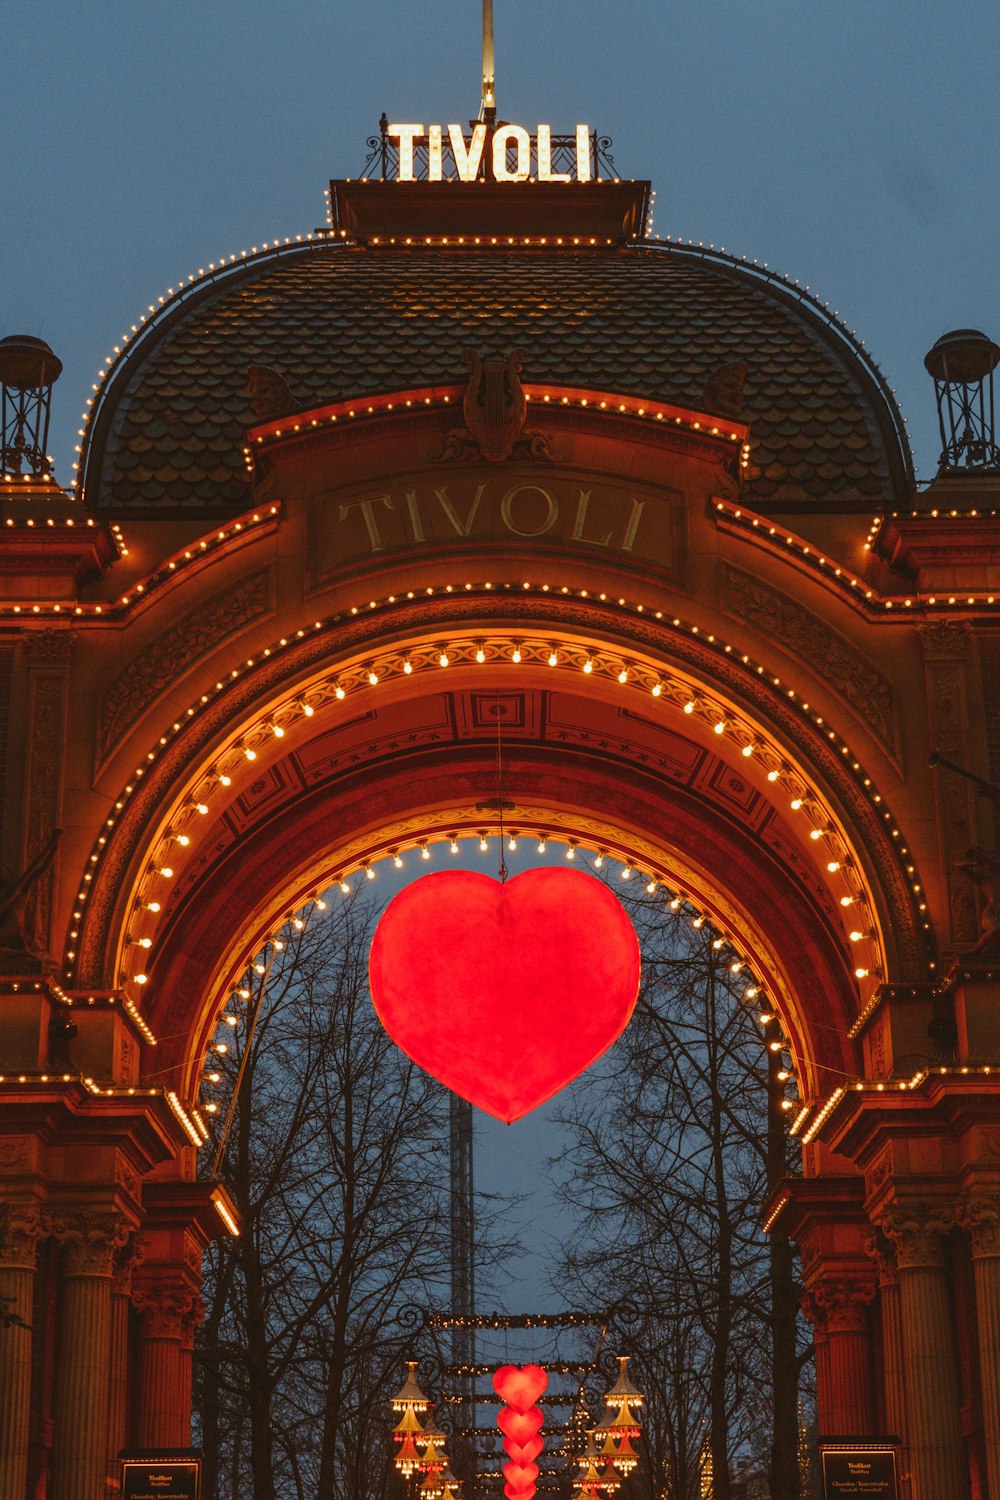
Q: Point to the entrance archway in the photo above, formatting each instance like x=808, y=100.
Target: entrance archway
x=276, y=645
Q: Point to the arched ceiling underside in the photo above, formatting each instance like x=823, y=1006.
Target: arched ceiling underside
x=694, y=764
x=712, y=840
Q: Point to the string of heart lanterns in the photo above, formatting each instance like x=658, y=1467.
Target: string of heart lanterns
x=520, y=1420
x=606, y=1462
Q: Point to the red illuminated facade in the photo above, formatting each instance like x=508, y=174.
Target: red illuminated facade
x=341, y=503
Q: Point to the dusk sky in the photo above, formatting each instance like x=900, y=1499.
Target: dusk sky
x=853, y=144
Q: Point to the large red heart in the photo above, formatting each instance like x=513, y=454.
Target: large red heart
x=520, y=1386
x=505, y=992
x=523, y=1453
x=520, y=1425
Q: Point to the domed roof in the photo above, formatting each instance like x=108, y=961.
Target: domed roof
x=338, y=322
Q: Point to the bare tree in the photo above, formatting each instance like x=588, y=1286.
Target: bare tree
x=335, y=1160
x=674, y=1142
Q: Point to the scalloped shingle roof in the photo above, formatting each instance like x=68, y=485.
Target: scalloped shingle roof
x=339, y=322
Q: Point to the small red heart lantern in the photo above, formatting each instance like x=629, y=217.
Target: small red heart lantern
x=524, y=1453
x=521, y=1387
x=520, y=1426
x=505, y=992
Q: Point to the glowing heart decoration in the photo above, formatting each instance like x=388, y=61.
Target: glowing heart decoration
x=505, y=992
x=519, y=1420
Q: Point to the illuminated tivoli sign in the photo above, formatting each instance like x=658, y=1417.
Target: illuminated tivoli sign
x=512, y=150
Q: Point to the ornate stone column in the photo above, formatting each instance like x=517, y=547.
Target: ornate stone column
x=937, y=1450
x=170, y=1308
x=90, y=1241
x=23, y=1227
x=980, y=1215
x=844, y=1301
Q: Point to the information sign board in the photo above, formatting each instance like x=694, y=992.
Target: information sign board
x=152, y=1478
x=863, y=1473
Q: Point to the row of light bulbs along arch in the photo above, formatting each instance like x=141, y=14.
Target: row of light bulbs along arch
x=607, y=1460
x=257, y=970
x=629, y=675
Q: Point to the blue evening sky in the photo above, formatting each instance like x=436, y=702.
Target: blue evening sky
x=852, y=144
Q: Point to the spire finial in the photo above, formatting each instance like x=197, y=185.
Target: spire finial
x=488, y=108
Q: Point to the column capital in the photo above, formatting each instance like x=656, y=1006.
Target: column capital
x=918, y=1231
x=23, y=1225
x=979, y=1216
x=170, y=1309
x=90, y=1240
x=883, y=1254
x=843, y=1301
x=127, y=1259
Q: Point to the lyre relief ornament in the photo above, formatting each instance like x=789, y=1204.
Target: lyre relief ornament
x=505, y=992
x=520, y=1420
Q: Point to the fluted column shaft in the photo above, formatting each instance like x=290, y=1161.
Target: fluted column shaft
x=121, y=1286
x=981, y=1216
x=937, y=1449
x=844, y=1301
x=891, y=1318
x=169, y=1311
x=17, y=1281
x=83, y=1356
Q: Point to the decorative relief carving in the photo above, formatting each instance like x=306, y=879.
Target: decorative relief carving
x=883, y=1253
x=127, y=1260
x=90, y=1241
x=980, y=1217
x=494, y=407
x=945, y=646
x=918, y=1231
x=15, y=1152
x=807, y=636
x=165, y=659
x=879, y=1170
x=47, y=699
x=51, y=646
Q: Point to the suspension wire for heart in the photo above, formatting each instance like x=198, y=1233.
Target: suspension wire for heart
x=502, y=872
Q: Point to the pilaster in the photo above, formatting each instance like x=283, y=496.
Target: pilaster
x=90, y=1240
x=21, y=1228
x=979, y=1215
x=919, y=1232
